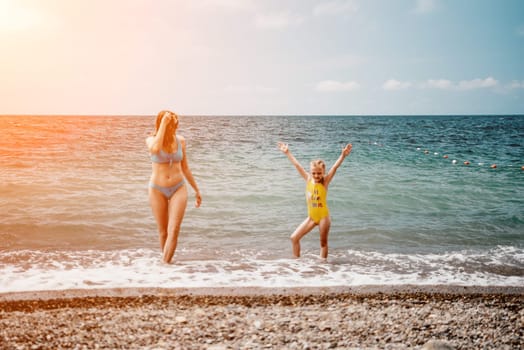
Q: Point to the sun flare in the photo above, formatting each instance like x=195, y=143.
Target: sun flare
x=14, y=16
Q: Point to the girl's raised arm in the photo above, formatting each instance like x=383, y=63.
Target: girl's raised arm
x=345, y=152
x=285, y=149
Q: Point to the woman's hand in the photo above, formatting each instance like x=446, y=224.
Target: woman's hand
x=347, y=150
x=198, y=199
x=283, y=147
x=166, y=118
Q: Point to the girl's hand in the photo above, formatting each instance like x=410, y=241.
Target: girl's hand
x=347, y=150
x=283, y=147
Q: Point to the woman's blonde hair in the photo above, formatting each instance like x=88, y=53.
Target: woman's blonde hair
x=169, y=135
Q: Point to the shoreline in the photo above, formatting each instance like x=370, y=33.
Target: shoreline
x=363, y=317
x=439, y=289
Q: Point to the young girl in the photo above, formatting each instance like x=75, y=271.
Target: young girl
x=167, y=188
x=316, y=197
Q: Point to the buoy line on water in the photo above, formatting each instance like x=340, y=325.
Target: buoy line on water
x=466, y=162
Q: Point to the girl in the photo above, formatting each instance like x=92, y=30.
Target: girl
x=167, y=188
x=316, y=197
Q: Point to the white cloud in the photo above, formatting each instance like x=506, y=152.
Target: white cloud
x=477, y=84
x=424, y=6
x=515, y=84
x=334, y=7
x=278, y=20
x=394, y=85
x=445, y=84
x=438, y=84
x=334, y=86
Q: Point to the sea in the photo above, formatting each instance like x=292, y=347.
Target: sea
x=421, y=200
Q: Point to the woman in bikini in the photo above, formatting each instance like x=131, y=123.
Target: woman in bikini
x=167, y=188
x=316, y=197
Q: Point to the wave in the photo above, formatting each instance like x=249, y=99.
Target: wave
x=26, y=270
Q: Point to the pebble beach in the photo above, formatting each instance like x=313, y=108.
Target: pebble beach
x=373, y=317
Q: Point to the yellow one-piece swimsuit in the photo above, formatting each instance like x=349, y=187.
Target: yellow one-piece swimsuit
x=316, y=195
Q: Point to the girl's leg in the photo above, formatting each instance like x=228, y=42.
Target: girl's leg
x=324, y=226
x=302, y=230
x=159, y=205
x=177, y=208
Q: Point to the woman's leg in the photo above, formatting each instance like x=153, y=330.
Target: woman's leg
x=159, y=205
x=303, y=229
x=177, y=208
x=324, y=226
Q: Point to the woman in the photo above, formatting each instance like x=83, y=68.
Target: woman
x=167, y=188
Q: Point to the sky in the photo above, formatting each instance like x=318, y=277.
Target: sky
x=262, y=57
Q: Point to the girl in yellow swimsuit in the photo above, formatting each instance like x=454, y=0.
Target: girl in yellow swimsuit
x=316, y=198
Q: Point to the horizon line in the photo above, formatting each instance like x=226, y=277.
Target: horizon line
x=271, y=115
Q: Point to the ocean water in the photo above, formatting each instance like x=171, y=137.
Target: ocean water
x=74, y=210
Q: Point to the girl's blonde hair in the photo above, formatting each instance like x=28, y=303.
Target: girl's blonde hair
x=169, y=135
x=319, y=163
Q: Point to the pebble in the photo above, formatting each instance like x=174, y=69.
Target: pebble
x=437, y=345
x=180, y=319
x=334, y=321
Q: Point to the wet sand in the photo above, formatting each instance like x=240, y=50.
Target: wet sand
x=367, y=317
